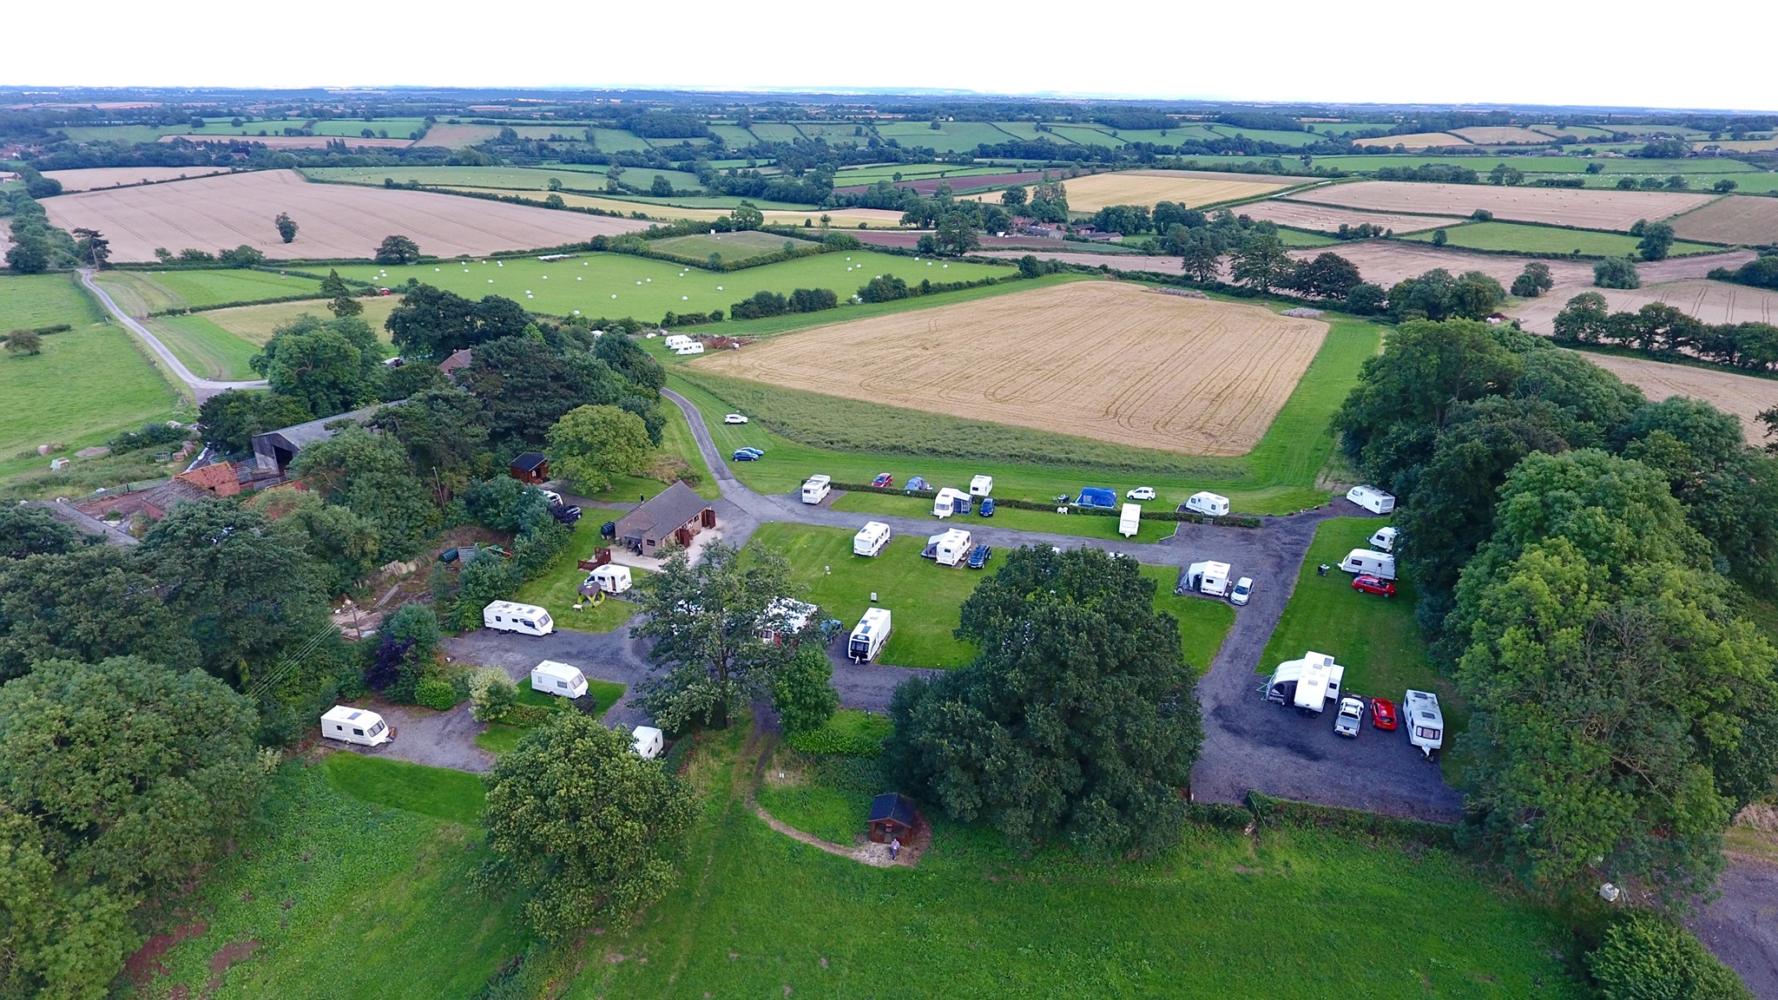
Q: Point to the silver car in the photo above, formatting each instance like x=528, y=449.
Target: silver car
x=1350, y=717
x=1242, y=592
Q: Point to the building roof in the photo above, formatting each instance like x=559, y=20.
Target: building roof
x=456, y=359
x=219, y=478
x=892, y=807
x=529, y=461
x=310, y=431
x=662, y=513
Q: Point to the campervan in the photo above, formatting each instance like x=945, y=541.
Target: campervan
x=868, y=638
x=1308, y=684
x=1368, y=562
x=356, y=725
x=871, y=539
x=981, y=486
x=564, y=679
x=611, y=578
x=526, y=619
x=1129, y=520
x=647, y=741
x=950, y=501
x=816, y=488
x=1426, y=724
x=952, y=547
x=1372, y=499
x=1208, y=503
x=1211, y=578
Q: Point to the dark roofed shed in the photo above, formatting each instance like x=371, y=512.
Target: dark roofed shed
x=892, y=816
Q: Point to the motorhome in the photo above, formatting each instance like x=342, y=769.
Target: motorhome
x=868, y=638
x=526, y=619
x=1372, y=499
x=981, y=486
x=1369, y=562
x=1209, y=504
x=952, y=547
x=1308, y=684
x=871, y=539
x=356, y=725
x=1426, y=724
x=1211, y=578
x=564, y=679
x=950, y=501
x=816, y=488
x=1129, y=520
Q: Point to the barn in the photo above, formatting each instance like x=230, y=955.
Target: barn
x=273, y=451
x=676, y=512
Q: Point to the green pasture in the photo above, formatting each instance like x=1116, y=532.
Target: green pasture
x=1099, y=526
x=1525, y=238
x=950, y=137
x=209, y=350
x=733, y=248
x=142, y=292
x=848, y=176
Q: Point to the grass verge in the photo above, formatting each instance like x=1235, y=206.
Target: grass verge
x=501, y=737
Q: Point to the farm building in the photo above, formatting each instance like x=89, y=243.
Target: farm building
x=273, y=451
x=674, y=513
x=530, y=467
x=892, y=817
x=456, y=360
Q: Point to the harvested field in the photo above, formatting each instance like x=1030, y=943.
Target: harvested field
x=1387, y=262
x=1145, y=187
x=1748, y=145
x=1115, y=261
x=337, y=220
x=1681, y=268
x=846, y=218
x=289, y=141
x=1743, y=395
x=1585, y=208
x=1305, y=216
x=968, y=182
x=458, y=136
x=1505, y=135
x=105, y=177
x=1708, y=301
x=1108, y=360
x=1735, y=219
x=1414, y=140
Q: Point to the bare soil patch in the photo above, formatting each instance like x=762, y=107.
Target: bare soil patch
x=1735, y=219
x=289, y=141
x=337, y=220
x=1583, y=207
x=105, y=177
x=1743, y=395
x=1108, y=360
x=1415, y=140
x=1301, y=215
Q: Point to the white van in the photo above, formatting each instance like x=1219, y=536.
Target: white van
x=981, y=486
x=868, y=638
x=356, y=725
x=871, y=539
x=526, y=619
x=1129, y=520
x=611, y=578
x=647, y=741
x=1384, y=540
x=1372, y=499
x=564, y=679
x=816, y=488
x=1207, y=503
x=1368, y=562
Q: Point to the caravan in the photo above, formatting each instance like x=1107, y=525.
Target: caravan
x=950, y=501
x=1211, y=578
x=1426, y=724
x=356, y=725
x=1209, y=504
x=674, y=341
x=526, y=619
x=981, y=486
x=871, y=539
x=1129, y=520
x=647, y=741
x=868, y=638
x=1372, y=499
x=1384, y=540
x=564, y=679
x=1368, y=562
x=695, y=347
x=784, y=619
x=950, y=548
x=1307, y=684
x=816, y=488
x=610, y=578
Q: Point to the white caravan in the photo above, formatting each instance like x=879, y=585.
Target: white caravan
x=1208, y=503
x=1307, y=684
x=1368, y=562
x=647, y=741
x=816, y=488
x=1210, y=578
x=784, y=619
x=868, y=638
x=945, y=503
x=1426, y=724
x=871, y=539
x=356, y=725
x=981, y=486
x=1384, y=540
x=526, y=619
x=1129, y=520
x=564, y=679
x=674, y=341
x=611, y=578
x=952, y=547
x=1372, y=499
x=695, y=347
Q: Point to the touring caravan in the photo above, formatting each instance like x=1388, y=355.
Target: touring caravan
x=611, y=578
x=1129, y=520
x=1384, y=540
x=868, y=638
x=695, y=347
x=1211, y=578
x=1369, y=562
x=647, y=741
x=564, y=679
x=871, y=539
x=1308, y=684
x=1372, y=499
x=526, y=619
x=1209, y=504
x=981, y=486
x=816, y=488
x=952, y=547
x=1426, y=724
x=784, y=618
x=674, y=341
x=356, y=725
x=950, y=501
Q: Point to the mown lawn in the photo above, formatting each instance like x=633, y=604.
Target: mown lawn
x=501, y=737
x=1525, y=238
x=87, y=384
x=207, y=349
x=339, y=881
x=142, y=292
x=557, y=588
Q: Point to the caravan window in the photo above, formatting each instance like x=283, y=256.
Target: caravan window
x=376, y=729
x=1426, y=732
x=527, y=623
x=357, y=732
x=562, y=684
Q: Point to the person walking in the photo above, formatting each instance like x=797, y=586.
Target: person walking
x=894, y=847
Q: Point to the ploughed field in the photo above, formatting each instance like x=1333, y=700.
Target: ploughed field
x=1109, y=361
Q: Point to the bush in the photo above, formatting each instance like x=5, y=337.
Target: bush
x=492, y=694
x=848, y=733
x=436, y=693
x=147, y=436
x=1616, y=272
x=1643, y=957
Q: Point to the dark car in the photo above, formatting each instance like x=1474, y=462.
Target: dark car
x=566, y=514
x=883, y=481
x=987, y=507
x=1383, y=714
x=744, y=455
x=1368, y=584
x=978, y=556
x=608, y=529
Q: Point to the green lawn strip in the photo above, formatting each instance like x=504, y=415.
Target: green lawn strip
x=141, y=292
x=87, y=384
x=557, y=589
x=207, y=349
x=1299, y=238
x=454, y=796
x=330, y=885
x=501, y=737
x=1525, y=238
x=756, y=913
x=1084, y=525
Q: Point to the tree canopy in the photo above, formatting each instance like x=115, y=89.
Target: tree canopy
x=330, y=366
x=593, y=445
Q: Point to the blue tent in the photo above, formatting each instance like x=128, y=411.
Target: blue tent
x=1095, y=496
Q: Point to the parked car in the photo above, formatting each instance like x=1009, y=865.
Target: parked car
x=1351, y=717
x=566, y=514
x=756, y=452
x=916, y=483
x=1140, y=493
x=1383, y=714
x=743, y=455
x=978, y=556
x=734, y=418
x=987, y=507
x=883, y=481
x=1243, y=590
x=552, y=497
x=1368, y=584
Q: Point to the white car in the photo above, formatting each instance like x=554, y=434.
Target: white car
x=1350, y=718
x=734, y=418
x=1140, y=493
x=1243, y=590
x=554, y=498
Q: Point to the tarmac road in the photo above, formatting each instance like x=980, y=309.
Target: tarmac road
x=201, y=388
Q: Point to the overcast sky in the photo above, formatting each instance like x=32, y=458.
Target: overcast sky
x=1509, y=51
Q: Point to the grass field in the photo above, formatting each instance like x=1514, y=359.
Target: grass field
x=847, y=176
x=207, y=349
x=1083, y=525
x=615, y=285
x=1520, y=238
x=951, y=137
x=255, y=324
x=142, y=292
x=574, y=178
x=35, y=300
x=733, y=248
x=557, y=588
x=502, y=737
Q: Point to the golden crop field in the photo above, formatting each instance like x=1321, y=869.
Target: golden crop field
x=1503, y=135
x=92, y=178
x=1743, y=395
x=1302, y=215
x=1581, y=207
x=1108, y=360
x=848, y=218
x=1708, y=301
x=1735, y=219
x=1146, y=187
x=1415, y=140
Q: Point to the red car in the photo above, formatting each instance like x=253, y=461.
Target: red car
x=1368, y=584
x=1383, y=714
x=883, y=481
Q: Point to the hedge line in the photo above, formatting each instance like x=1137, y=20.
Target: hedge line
x=233, y=304
x=44, y=331
x=1269, y=811
x=1018, y=504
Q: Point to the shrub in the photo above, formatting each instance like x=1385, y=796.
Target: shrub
x=848, y=733
x=436, y=693
x=147, y=436
x=1643, y=957
x=491, y=694
x=1616, y=272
